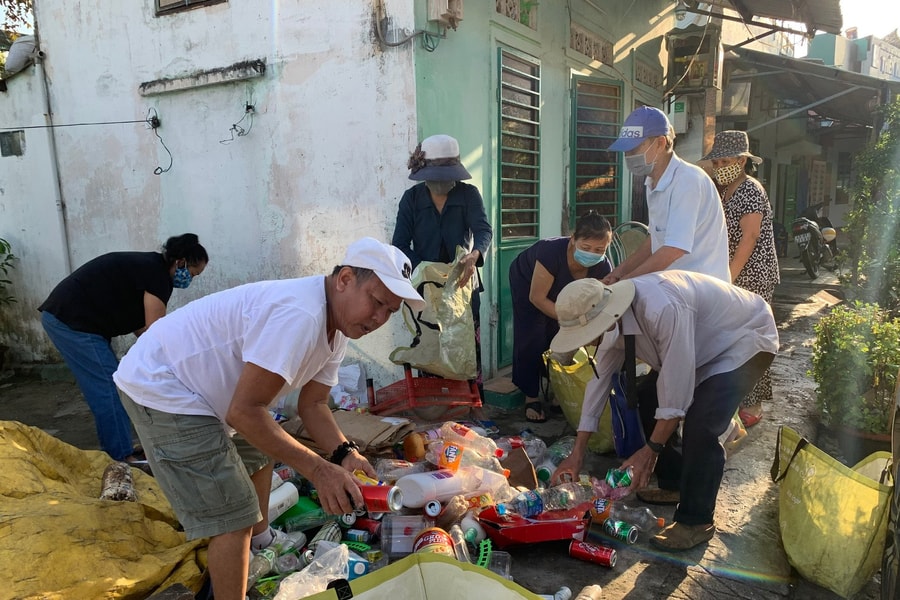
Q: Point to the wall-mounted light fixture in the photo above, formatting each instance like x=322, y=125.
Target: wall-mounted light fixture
x=681, y=10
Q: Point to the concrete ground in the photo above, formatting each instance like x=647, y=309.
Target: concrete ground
x=743, y=561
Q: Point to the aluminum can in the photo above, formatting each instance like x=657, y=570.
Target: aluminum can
x=435, y=540
x=382, y=498
x=358, y=535
x=330, y=531
x=370, y=525
x=621, y=530
x=618, y=478
x=347, y=519
x=433, y=508
x=595, y=553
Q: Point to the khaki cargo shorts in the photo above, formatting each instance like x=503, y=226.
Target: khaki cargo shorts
x=203, y=472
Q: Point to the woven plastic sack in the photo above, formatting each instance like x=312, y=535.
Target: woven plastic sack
x=833, y=518
x=426, y=577
x=444, y=332
x=568, y=383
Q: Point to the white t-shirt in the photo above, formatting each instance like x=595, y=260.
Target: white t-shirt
x=189, y=361
x=685, y=212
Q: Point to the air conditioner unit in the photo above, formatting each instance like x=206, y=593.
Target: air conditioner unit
x=446, y=13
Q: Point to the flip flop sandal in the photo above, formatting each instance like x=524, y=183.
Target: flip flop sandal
x=537, y=407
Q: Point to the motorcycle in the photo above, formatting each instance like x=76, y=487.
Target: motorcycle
x=815, y=244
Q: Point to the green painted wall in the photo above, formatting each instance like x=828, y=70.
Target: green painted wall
x=456, y=94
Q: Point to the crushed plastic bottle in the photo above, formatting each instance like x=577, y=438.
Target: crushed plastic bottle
x=454, y=432
x=639, y=516
x=534, y=502
x=261, y=564
x=460, y=544
x=533, y=445
x=452, y=456
x=560, y=450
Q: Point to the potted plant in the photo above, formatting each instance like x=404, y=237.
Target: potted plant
x=856, y=354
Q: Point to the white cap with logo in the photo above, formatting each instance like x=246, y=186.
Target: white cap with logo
x=390, y=265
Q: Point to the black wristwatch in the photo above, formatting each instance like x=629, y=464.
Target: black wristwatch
x=658, y=448
x=341, y=452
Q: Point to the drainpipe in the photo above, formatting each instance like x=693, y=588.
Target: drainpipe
x=54, y=157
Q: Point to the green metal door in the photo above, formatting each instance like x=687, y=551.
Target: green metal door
x=519, y=101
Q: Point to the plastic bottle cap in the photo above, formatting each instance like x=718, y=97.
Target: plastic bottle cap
x=661, y=522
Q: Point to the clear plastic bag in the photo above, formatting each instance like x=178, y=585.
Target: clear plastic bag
x=315, y=578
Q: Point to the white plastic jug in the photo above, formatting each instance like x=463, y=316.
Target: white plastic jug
x=282, y=498
x=440, y=485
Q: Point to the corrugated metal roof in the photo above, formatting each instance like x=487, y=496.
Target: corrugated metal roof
x=830, y=92
x=817, y=15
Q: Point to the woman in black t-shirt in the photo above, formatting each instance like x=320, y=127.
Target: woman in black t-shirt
x=111, y=295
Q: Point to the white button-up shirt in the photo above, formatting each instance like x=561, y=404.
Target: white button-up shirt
x=689, y=327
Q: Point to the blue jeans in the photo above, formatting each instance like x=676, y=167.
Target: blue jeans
x=93, y=362
x=697, y=470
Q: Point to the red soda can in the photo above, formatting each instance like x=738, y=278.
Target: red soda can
x=595, y=553
x=370, y=525
x=382, y=498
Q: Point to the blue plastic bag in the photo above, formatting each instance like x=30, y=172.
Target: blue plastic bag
x=628, y=435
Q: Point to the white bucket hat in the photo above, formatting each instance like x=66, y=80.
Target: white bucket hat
x=587, y=309
x=437, y=159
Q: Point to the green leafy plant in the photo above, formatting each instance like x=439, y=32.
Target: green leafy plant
x=856, y=355
x=873, y=225
x=6, y=263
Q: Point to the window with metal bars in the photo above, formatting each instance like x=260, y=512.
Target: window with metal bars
x=596, y=173
x=519, y=148
x=169, y=6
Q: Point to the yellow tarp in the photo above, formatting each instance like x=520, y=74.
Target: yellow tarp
x=58, y=540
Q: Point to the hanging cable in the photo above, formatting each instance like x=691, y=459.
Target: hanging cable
x=236, y=129
x=152, y=121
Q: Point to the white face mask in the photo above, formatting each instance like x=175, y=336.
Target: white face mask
x=638, y=164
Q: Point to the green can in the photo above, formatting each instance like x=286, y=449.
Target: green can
x=618, y=477
x=621, y=530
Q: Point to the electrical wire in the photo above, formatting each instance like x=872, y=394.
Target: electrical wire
x=153, y=122
x=72, y=125
x=687, y=69
x=236, y=129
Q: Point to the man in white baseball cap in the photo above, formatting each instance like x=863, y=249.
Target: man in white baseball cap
x=198, y=385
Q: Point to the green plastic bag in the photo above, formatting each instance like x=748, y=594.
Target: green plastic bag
x=444, y=332
x=833, y=519
x=568, y=383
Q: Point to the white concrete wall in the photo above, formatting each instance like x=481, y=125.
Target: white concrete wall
x=321, y=166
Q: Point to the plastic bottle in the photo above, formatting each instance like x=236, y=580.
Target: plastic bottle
x=261, y=564
x=544, y=472
x=639, y=516
x=531, y=503
x=452, y=431
x=441, y=485
x=392, y=469
x=281, y=499
x=288, y=563
x=460, y=545
x=560, y=450
x=453, y=459
x=563, y=593
x=472, y=529
x=534, y=446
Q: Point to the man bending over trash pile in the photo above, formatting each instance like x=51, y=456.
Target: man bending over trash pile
x=710, y=342
x=210, y=370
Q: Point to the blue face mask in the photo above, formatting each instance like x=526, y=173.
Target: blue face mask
x=182, y=278
x=588, y=259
